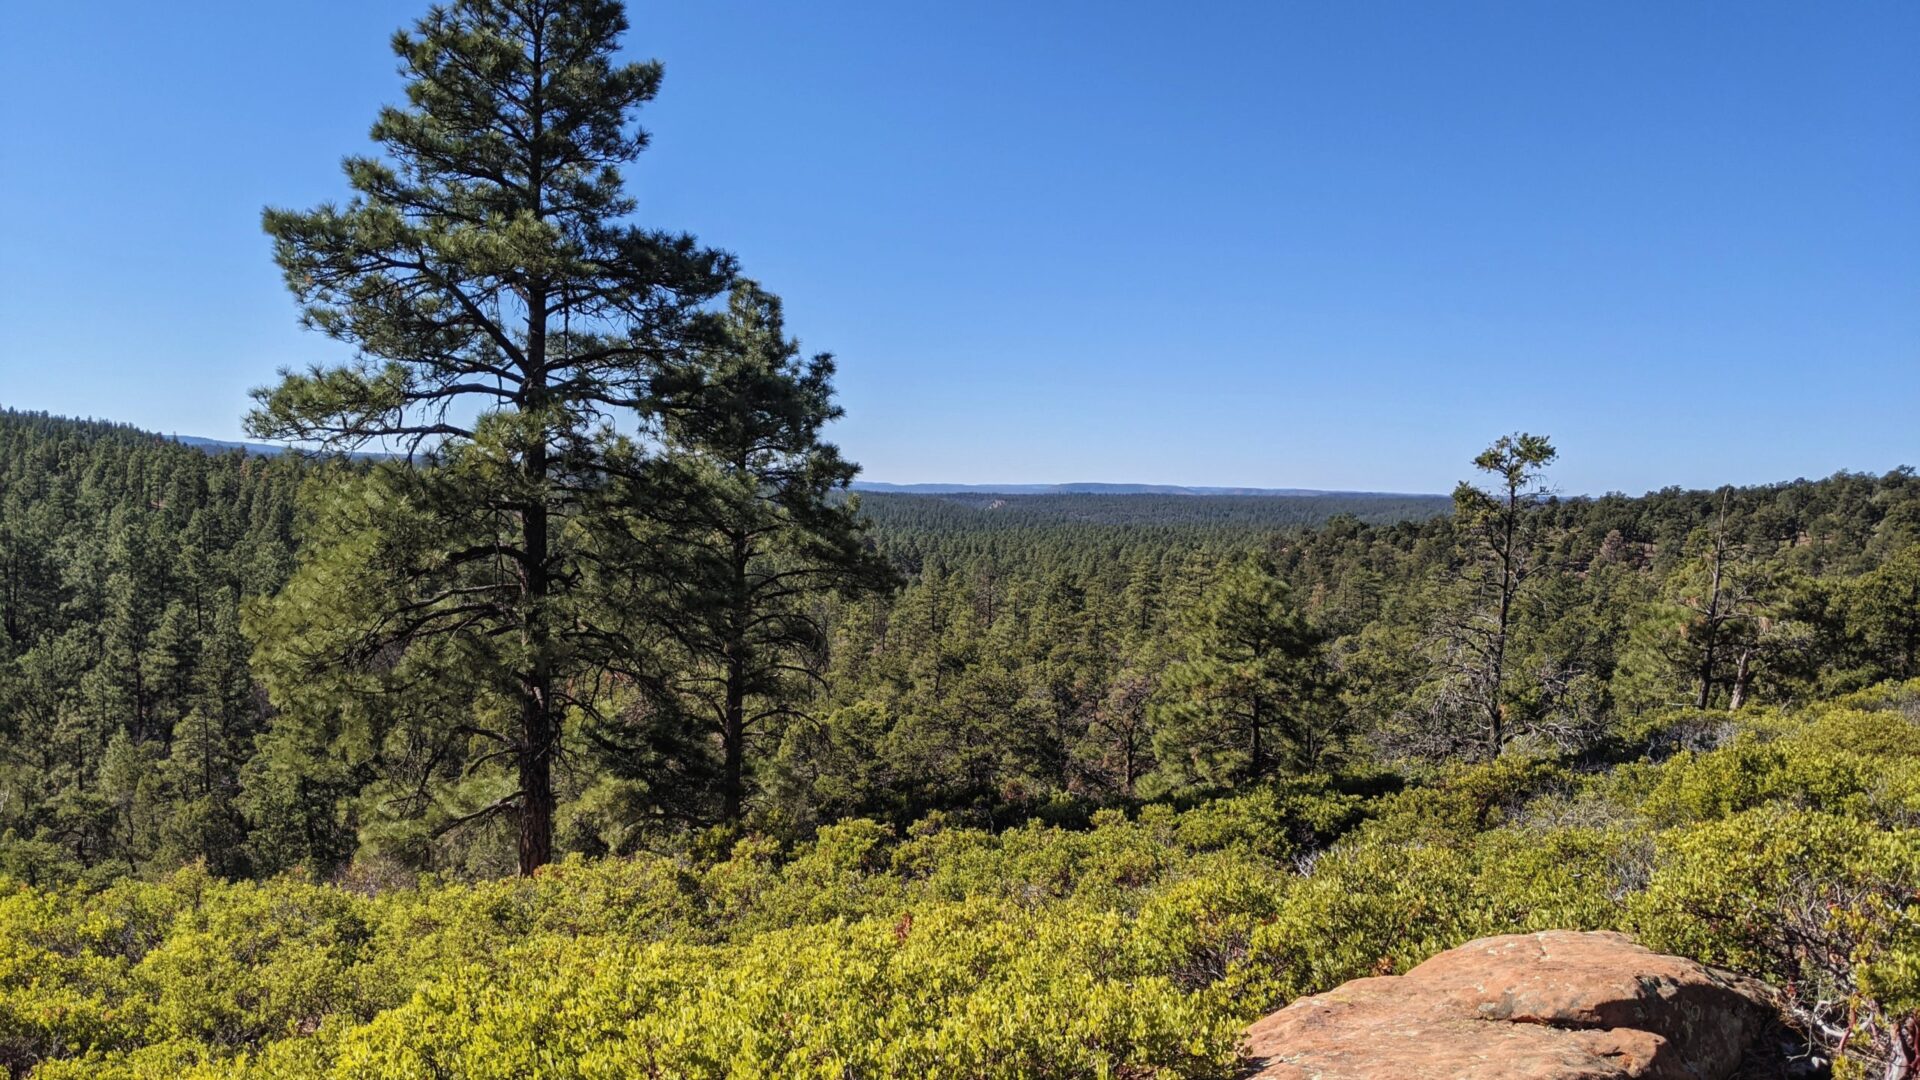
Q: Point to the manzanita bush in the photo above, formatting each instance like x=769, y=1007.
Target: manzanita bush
x=1136, y=947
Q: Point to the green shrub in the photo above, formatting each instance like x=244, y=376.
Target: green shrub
x=1824, y=905
x=1131, y=947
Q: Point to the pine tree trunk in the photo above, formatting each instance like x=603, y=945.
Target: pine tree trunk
x=536, y=787
x=1709, y=657
x=733, y=736
x=10, y=599
x=1740, y=681
x=539, y=733
x=1259, y=765
x=1509, y=587
x=733, y=780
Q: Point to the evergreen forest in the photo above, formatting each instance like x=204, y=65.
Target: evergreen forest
x=553, y=707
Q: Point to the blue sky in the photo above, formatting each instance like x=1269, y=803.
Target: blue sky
x=1282, y=244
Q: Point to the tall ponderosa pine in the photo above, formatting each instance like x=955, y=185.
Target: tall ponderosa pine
x=506, y=317
x=1498, y=531
x=755, y=529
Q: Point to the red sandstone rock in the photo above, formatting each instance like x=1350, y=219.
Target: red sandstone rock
x=1558, y=1005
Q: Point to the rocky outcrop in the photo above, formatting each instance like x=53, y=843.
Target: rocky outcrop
x=1558, y=1005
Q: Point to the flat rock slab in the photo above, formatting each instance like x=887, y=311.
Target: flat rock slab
x=1558, y=1005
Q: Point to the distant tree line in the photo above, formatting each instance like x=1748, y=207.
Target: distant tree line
x=978, y=513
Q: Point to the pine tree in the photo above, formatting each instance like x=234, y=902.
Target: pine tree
x=1118, y=746
x=1498, y=533
x=1250, y=694
x=506, y=316
x=210, y=744
x=1719, y=619
x=752, y=529
x=1884, y=607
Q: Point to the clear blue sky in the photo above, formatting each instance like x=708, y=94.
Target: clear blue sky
x=1317, y=244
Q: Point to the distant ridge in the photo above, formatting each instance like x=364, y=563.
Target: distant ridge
x=219, y=445
x=1118, y=489
x=1080, y=488
x=225, y=446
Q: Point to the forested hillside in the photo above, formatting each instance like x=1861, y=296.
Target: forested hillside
x=560, y=711
x=1048, y=666
x=127, y=707
x=1211, y=765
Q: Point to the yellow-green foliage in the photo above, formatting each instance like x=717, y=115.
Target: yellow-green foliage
x=1136, y=947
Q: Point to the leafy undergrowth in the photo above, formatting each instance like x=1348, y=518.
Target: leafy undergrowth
x=1138, y=947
